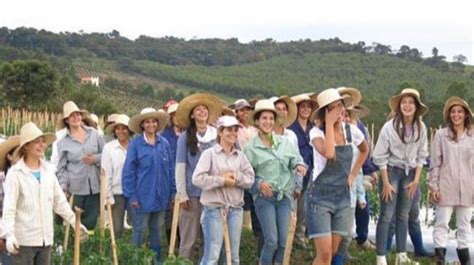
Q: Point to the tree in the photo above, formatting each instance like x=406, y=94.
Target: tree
x=456, y=89
x=460, y=58
x=28, y=84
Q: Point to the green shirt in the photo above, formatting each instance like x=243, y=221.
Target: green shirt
x=274, y=165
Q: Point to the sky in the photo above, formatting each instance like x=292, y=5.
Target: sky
x=447, y=25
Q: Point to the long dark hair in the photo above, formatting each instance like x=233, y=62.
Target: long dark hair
x=467, y=124
x=191, y=137
x=398, y=120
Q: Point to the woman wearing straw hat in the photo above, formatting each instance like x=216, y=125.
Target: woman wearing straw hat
x=7, y=160
x=33, y=193
x=358, y=198
x=147, y=178
x=400, y=152
x=171, y=133
x=223, y=172
x=274, y=160
x=328, y=195
x=301, y=127
x=194, y=114
x=78, y=168
x=112, y=161
x=451, y=178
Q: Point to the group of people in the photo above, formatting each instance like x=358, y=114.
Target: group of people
x=306, y=156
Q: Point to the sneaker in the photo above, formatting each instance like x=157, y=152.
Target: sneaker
x=402, y=258
x=381, y=260
x=367, y=245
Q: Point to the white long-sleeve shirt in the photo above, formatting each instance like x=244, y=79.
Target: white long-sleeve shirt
x=29, y=205
x=112, y=161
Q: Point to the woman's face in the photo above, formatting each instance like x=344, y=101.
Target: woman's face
x=74, y=119
x=282, y=108
x=337, y=106
x=347, y=117
x=122, y=132
x=408, y=106
x=266, y=121
x=304, y=110
x=200, y=113
x=243, y=114
x=228, y=135
x=150, y=126
x=36, y=148
x=457, y=114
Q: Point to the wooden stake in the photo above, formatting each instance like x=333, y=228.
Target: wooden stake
x=77, y=236
x=228, y=254
x=112, y=234
x=289, y=239
x=68, y=227
x=103, y=191
x=174, y=227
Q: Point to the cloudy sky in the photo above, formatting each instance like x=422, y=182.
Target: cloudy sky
x=447, y=25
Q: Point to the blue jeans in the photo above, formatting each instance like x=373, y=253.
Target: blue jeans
x=154, y=221
x=6, y=260
x=399, y=206
x=213, y=230
x=274, y=214
x=362, y=217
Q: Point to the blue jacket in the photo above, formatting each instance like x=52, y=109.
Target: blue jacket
x=148, y=174
x=306, y=150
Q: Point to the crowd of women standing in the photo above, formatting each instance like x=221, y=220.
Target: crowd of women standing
x=306, y=156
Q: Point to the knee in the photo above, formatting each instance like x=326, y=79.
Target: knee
x=325, y=256
x=271, y=244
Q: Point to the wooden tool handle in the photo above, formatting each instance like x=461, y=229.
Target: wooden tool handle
x=77, y=236
x=174, y=226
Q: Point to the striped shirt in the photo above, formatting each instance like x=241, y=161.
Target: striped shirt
x=29, y=205
x=73, y=174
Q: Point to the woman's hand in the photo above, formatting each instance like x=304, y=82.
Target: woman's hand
x=332, y=116
x=266, y=189
x=301, y=170
x=186, y=205
x=411, y=189
x=435, y=196
x=88, y=159
x=229, y=178
x=387, y=192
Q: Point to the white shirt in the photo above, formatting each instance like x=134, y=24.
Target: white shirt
x=60, y=134
x=292, y=137
x=319, y=159
x=29, y=204
x=112, y=161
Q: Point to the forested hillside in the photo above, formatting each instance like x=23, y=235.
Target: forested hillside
x=148, y=71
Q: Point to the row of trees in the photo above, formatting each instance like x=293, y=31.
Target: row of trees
x=207, y=52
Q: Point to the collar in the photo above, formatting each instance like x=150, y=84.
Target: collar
x=21, y=166
x=87, y=129
x=218, y=148
x=116, y=144
x=276, y=141
x=145, y=140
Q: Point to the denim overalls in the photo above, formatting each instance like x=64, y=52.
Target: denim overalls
x=327, y=199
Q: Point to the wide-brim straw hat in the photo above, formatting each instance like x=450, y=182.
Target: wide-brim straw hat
x=121, y=119
x=29, y=132
x=187, y=105
x=148, y=113
x=354, y=93
x=455, y=101
x=363, y=111
x=10, y=144
x=265, y=105
x=292, y=110
x=305, y=97
x=395, y=100
x=70, y=107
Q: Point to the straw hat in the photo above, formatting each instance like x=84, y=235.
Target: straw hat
x=363, y=111
x=121, y=119
x=305, y=97
x=187, y=105
x=292, y=110
x=455, y=101
x=70, y=107
x=148, y=113
x=29, y=132
x=354, y=93
x=11, y=143
x=262, y=105
x=395, y=100
x=172, y=108
x=327, y=97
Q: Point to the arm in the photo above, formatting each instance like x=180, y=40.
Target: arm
x=172, y=170
x=12, y=192
x=363, y=153
x=382, y=149
x=202, y=177
x=180, y=174
x=107, y=166
x=62, y=172
x=422, y=153
x=100, y=147
x=436, y=162
x=245, y=176
x=60, y=204
x=129, y=174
